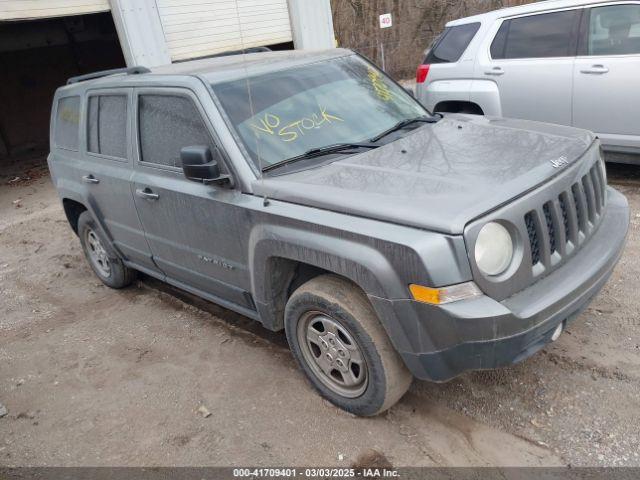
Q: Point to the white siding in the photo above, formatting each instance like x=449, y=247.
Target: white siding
x=29, y=9
x=196, y=28
x=140, y=32
x=312, y=24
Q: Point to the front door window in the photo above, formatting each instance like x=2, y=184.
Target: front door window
x=614, y=30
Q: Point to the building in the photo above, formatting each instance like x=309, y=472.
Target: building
x=44, y=42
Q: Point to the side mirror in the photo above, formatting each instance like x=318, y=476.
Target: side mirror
x=410, y=91
x=198, y=165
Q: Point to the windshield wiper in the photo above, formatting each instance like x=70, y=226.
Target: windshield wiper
x=320, y=151
x=404, y=123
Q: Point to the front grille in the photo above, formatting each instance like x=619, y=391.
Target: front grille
x=533, y=237
x=550, y=226
x=579, y=206
x=564, y=208
x=560, y=225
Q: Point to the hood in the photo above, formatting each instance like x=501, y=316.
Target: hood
x=440, y=176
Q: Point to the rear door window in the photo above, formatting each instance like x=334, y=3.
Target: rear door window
x=452, y=43
x=537, y=36
x=66, y=133
x=107, y=125
x=614, y=30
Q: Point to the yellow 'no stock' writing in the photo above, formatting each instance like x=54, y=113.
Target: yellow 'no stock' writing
x=270, y=124
x=70, y=116
x=381, y=88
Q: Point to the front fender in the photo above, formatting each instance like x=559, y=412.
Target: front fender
x=360, y=263
x=381, y=270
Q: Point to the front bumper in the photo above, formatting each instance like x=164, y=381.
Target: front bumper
x=438, y=343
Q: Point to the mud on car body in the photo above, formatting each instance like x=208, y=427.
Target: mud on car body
x=308, y=191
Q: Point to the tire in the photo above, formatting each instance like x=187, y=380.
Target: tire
x=372, y=376
x=103, y=261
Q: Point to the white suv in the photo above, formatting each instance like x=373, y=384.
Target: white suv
x=571, y=62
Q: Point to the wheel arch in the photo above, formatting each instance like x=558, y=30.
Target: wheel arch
x=459, y=106
x=281, y=277
x=452, y=95
x=72, y=210
x=278, y=267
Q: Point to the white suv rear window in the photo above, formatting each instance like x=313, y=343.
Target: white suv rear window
x=452, y=43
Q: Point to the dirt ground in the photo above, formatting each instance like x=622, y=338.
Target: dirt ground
x=93, y=376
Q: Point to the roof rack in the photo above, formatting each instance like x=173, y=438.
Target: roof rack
x=106, y=73
x=229, y=53
x=241, y=52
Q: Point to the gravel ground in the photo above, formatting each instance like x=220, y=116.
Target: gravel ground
x=93, y=376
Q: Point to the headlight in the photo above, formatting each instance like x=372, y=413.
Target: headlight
x=494, y=249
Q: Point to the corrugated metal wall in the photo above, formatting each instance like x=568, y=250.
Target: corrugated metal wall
x=204, y=27
x=31, y=9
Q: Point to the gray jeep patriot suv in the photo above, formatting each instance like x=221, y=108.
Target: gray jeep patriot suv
x=310, y=192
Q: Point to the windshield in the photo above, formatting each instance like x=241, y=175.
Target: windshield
x=290, y=112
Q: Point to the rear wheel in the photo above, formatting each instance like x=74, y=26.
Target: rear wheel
x=342, y=348
x=107, y=266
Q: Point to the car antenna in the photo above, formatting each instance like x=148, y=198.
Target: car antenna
x=265, y=201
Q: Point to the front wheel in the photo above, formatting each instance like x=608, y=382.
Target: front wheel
x=342, y=348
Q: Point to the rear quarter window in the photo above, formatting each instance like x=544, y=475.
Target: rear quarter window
x=66, y=133
x=452, y=43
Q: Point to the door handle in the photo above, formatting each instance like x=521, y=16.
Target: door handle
x=90, y=179
x=595, y=70
x=147, y=194
x=496, y=71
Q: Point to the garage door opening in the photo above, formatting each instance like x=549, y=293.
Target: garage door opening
x=38, y=56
